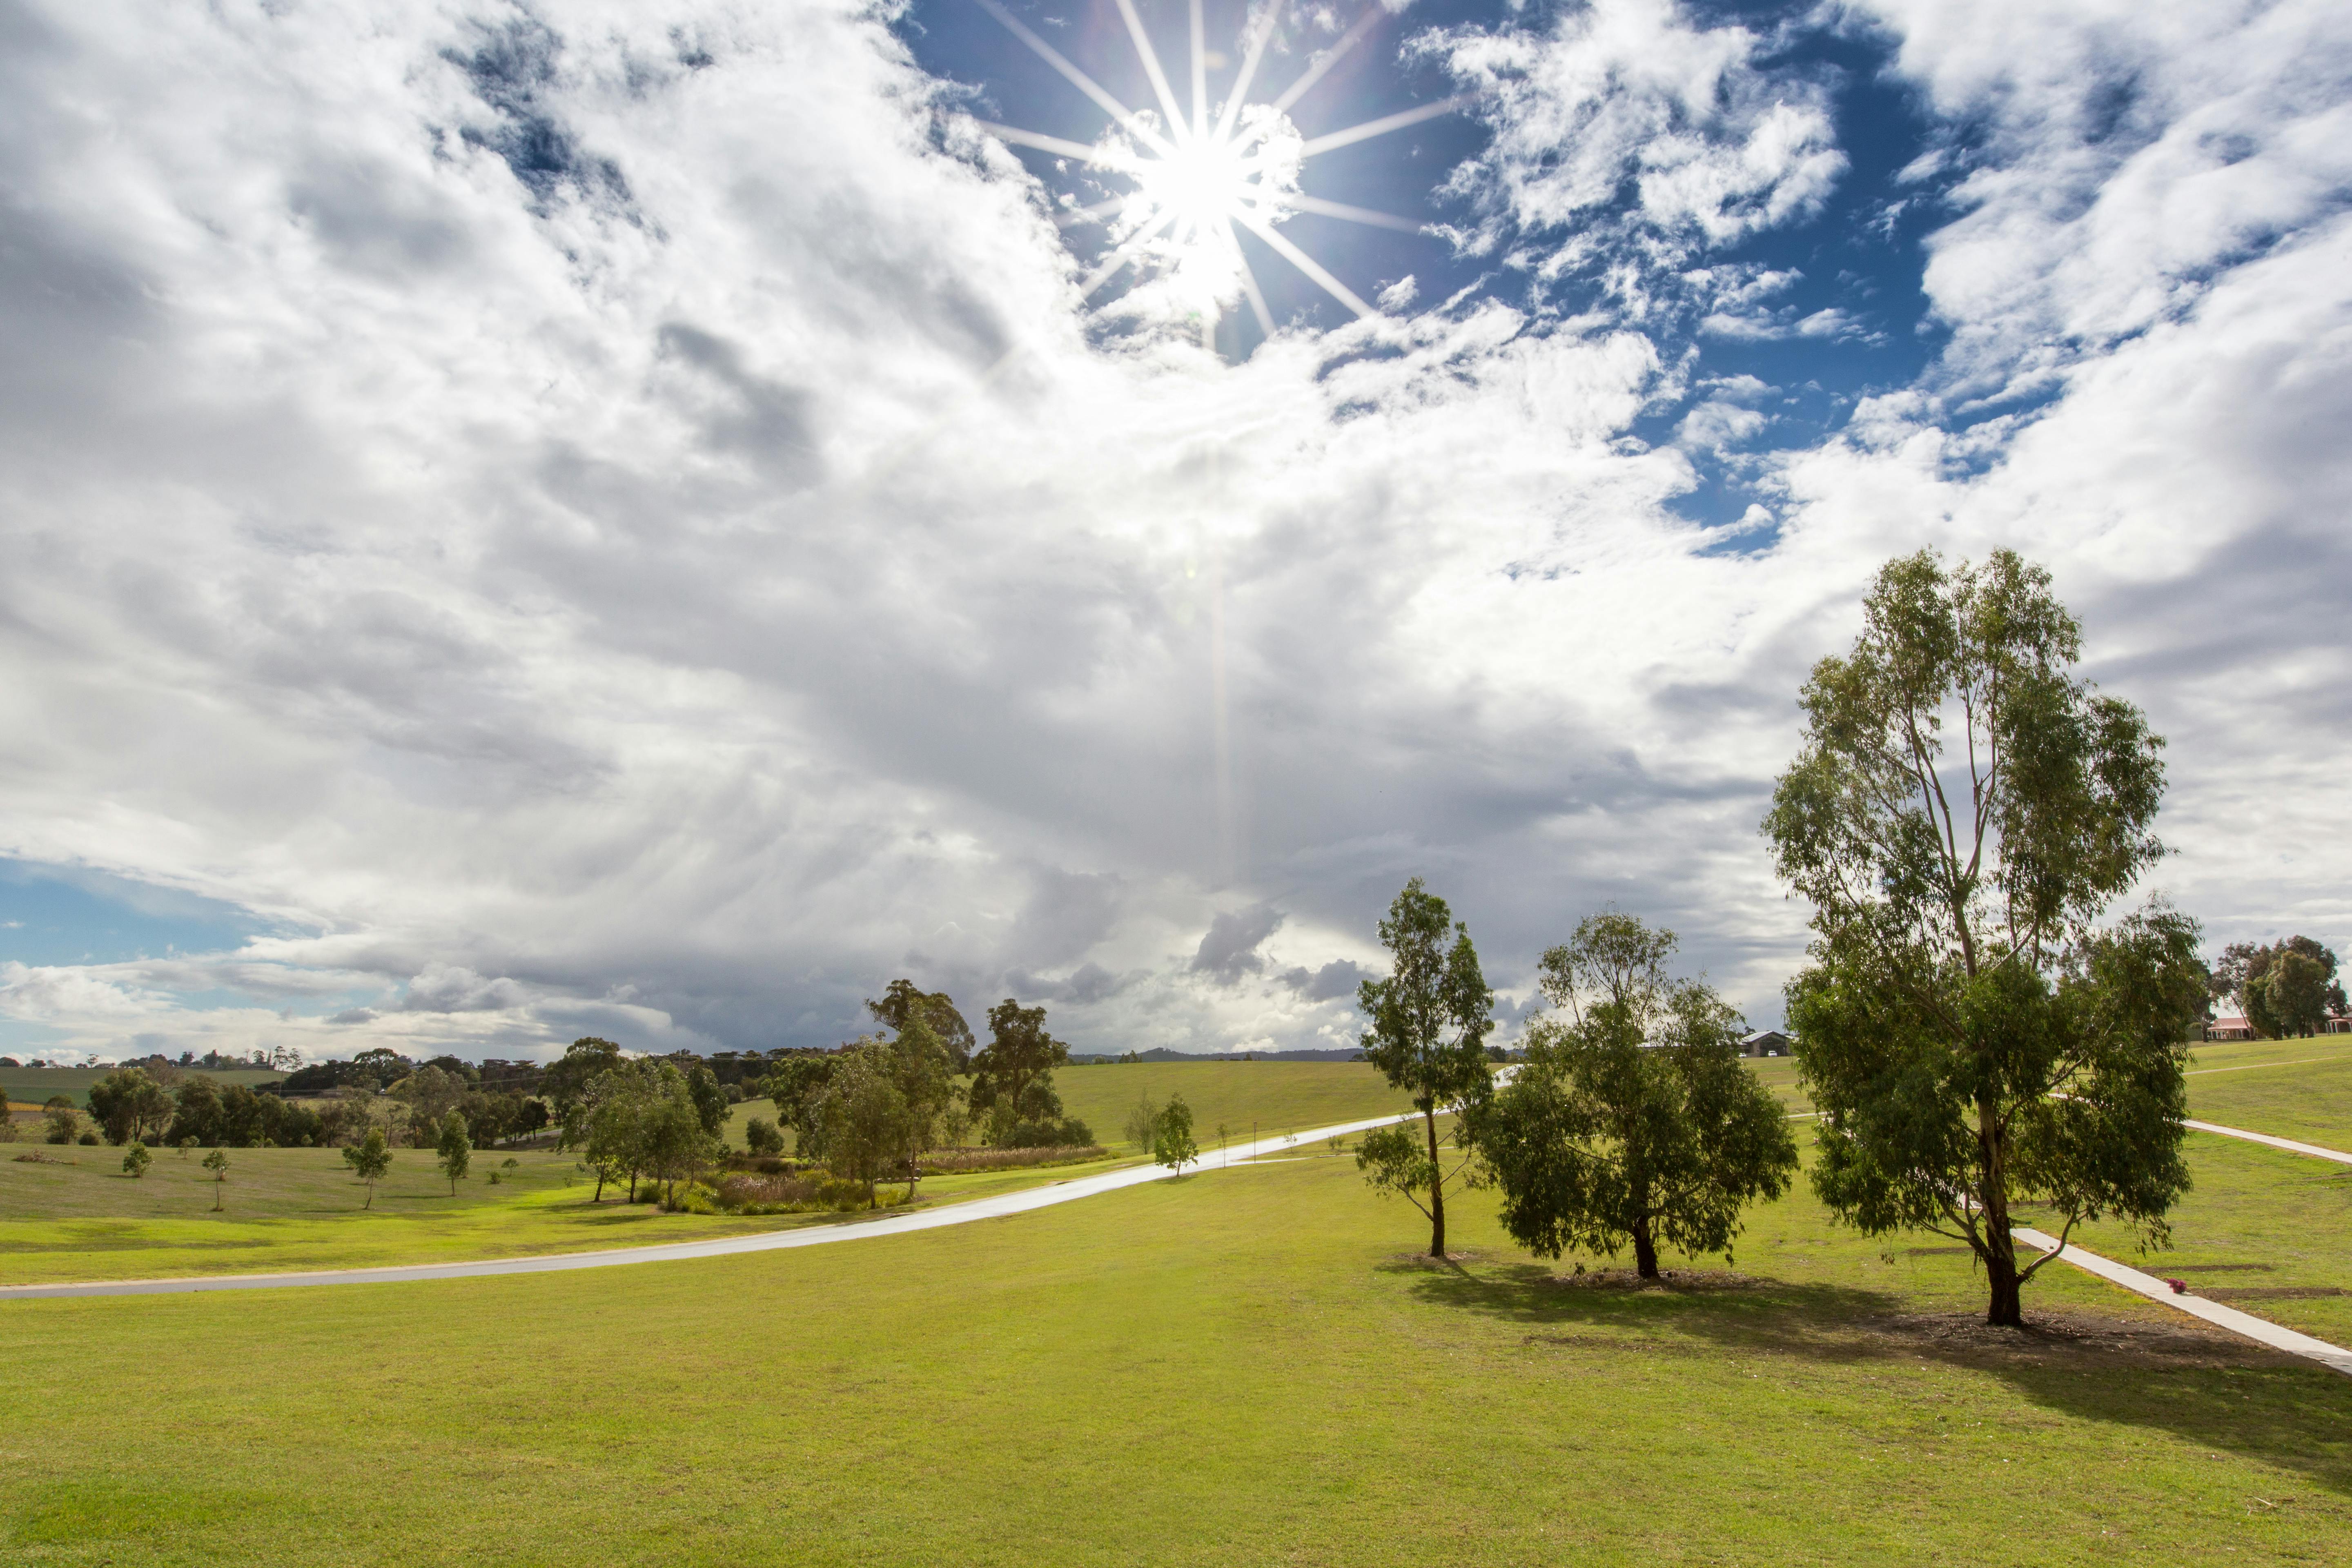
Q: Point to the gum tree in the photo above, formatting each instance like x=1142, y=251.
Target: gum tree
x=369, y=1159
x=1633, y=1119
x=1964, y=812
x=1430, y=1020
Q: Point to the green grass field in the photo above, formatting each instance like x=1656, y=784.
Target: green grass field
x=287, y=1209
x=2289, y=1088
x=1244, y=1366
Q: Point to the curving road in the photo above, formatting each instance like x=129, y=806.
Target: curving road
x=965, y=1213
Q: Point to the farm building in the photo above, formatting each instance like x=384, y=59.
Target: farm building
x=1767, y=1042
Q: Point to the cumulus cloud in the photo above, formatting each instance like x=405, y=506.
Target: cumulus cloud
x=1228, y=950
x=615, y=523
x=1630, y=98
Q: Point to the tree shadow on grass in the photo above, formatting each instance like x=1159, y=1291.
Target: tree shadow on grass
x=2193, y=1380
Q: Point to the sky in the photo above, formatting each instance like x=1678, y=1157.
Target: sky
x=623, y=518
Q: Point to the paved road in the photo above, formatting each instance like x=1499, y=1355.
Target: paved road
x=816, y=1235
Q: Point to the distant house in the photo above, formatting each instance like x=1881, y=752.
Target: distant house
x=1767, y=1042
x=2229, y=1028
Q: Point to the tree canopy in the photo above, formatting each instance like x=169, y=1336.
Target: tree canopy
x=1963, y=812
x=1633, y=1119
x=1430, y=1019
x=1013, y=1079
x=902, y=1000
x=2282, y=988
x=128, y=1103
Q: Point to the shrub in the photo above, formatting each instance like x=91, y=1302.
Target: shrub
x=63, y=1121
x=947, y=1162
x=806, y=1192
x=7, y=1129
x=762, y=1137
x=88, y=1140
x=1069, y=1131
x=135, y=1159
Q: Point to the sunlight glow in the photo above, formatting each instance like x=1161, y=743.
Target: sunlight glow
x=1199, y=183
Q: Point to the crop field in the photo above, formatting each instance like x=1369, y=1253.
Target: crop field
x=1246, y=1366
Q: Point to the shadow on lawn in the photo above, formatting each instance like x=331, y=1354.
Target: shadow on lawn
x=2203, y=1384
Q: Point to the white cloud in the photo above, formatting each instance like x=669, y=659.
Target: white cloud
x=669, y=592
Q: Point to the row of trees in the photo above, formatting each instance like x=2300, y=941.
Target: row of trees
x=1963, y=813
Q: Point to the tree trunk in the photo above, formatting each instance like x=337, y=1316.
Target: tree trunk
x=2003, y=1309
x=633, y=1186
x=1436, y=1189
x=1645, y=1250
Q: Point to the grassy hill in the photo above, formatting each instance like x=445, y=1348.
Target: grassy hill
x=1244, y=1366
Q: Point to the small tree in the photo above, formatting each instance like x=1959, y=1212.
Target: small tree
x=672, y=1145
x=2285, y=988
x=217, y=1164
x=1142, y=1120
x=369, y=1159
x=1633, y=1119
x=1962, y=813
x=862, y=1119
x=761, y=1136
x=64, y=1121
x=1430, y=1021
x=135, y=1159
x=1171, y=1135
x=456, y=1149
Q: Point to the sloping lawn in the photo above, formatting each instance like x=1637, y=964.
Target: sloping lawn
x=1245, y=1366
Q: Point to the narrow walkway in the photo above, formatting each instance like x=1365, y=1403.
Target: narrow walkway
x=2259, y=1329
x=996, y=1208
x=2289, y=1144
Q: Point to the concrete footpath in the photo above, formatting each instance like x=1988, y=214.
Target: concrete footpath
x=2214, y=1312
x=2289, y=1144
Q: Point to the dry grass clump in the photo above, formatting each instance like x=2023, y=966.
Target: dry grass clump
x=956, y=1161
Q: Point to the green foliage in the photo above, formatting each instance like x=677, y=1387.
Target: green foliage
x=710, y=1098
x=217, y=1164
x=795, y=1084
x=64, y=1123
x=1632, y=1120
x=863, y=1117
x=369, y=1159
x=135, y=1159
x=1963, y=812
x=564, y=1086
x=2282, y=988
x=1399, y=1161
x=1430, y=1019
x=761, y=1136
x=1171, y=1135
x=455, y=1148
x=901, y=1001
x=129, y=1104
x=642, y=1121
x=1013, y=1076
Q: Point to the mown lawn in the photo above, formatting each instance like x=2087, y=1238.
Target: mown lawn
x=2288, y=1088
x=287, y=1209
x=1245, y=1366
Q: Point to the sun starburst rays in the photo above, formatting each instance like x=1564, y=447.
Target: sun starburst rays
x=1197, y=183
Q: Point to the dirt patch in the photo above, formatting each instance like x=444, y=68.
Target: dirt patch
x=1454, y=1256
x=1668, y=1279
x=2053, y=1338
x=2272, y=1293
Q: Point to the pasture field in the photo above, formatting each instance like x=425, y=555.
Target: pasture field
x=288, y=1209
x=1248, y=1365
x=1282, y=1097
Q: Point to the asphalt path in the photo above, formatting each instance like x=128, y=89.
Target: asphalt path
x=997, y=1207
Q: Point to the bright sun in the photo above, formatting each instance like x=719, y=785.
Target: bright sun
x=1198, y=184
